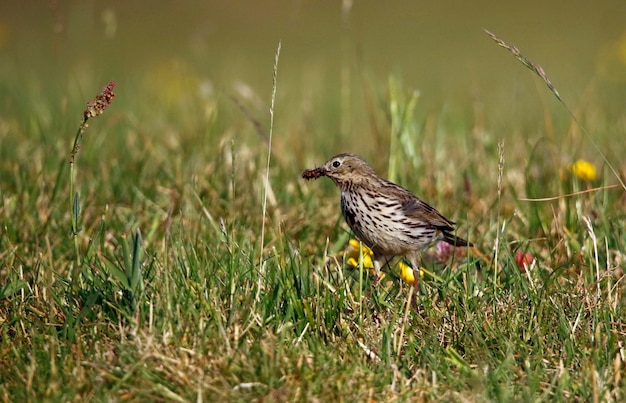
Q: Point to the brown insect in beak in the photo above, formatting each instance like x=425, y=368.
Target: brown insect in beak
x=313, y=173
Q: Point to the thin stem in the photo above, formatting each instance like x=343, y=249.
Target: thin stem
x=267, y=172
x=73, y=194
x=75, y=149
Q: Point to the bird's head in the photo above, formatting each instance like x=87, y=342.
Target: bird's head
x=343, y=169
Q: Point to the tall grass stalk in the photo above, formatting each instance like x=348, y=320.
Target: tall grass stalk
x=537, y=69
x=500, y=231
x=267, y=171
x=94, y=108
x=402, y=139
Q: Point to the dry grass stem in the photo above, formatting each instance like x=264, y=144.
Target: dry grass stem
x=537, y=69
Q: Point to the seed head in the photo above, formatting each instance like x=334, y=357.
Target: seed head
x=102, y=101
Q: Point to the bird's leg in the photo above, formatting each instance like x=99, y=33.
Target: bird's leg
x=376, y=259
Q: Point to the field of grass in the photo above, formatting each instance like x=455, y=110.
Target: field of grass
x=170, y=264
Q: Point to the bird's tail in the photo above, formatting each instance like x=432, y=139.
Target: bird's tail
x=455, y=240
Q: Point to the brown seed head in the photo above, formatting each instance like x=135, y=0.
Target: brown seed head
x=102, y=101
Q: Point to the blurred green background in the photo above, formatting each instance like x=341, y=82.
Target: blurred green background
x=166, y=50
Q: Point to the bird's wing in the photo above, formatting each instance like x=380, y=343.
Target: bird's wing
x=418, y=210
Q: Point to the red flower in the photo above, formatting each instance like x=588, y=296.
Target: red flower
x=523, y=260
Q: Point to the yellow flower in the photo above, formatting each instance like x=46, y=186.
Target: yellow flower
x=584, y=170
x=353, y=257
x=406, y=272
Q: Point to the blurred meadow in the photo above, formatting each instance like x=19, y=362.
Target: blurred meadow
x=169, y=264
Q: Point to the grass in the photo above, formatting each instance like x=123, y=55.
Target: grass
x=192, y=278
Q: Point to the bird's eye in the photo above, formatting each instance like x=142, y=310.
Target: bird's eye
x=336, y=164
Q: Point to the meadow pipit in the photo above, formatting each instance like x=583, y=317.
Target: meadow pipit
x=384, y=216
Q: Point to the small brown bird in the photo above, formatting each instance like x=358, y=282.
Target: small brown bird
x=384, y=216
